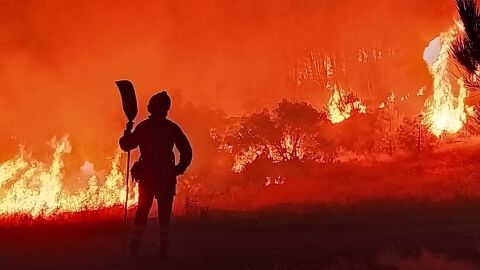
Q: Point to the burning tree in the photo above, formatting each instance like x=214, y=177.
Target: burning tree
x=299, y=125
x=444, y=112
x=314, y=70
x=342, y=105
x=289, y=132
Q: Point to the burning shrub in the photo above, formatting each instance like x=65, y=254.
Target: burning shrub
x=342, y=105
x=289, y=132
x=33, y=189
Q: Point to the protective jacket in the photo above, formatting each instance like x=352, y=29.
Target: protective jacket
x=156, y=169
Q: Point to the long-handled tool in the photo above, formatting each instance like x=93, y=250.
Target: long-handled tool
x=129, y=103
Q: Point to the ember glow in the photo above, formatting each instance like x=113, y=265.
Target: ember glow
x=34, y=189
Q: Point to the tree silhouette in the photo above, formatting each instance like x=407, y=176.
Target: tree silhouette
x=415, y=137
x=298, y=123
x=290, y=132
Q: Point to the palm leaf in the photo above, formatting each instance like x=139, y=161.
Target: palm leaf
x=465, y=54
x=470, y=16
x=465, y=50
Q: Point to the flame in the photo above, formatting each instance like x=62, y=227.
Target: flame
x=444, y=113
x=421, y=91
x=287, y=150
x=32, y=188
x=389, y=100
x=279, y=180
x=246, y=157
x=339, y=109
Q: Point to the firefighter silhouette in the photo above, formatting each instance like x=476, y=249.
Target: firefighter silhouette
x=156, y=171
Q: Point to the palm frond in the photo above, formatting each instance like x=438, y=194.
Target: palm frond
x=465, y=53
x=470, y=16
x=465, y=50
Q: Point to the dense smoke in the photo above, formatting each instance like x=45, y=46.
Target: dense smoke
x=58, y=59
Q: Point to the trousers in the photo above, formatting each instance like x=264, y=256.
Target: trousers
x=145, y=201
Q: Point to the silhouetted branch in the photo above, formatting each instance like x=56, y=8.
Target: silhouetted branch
x=465, y=50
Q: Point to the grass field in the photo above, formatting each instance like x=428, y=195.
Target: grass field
x=375, y=235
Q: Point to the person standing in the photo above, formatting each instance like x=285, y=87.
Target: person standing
x=156, y=171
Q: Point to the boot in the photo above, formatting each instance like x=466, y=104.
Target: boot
x=163, y=248
x=135, y=241
x=163, y=236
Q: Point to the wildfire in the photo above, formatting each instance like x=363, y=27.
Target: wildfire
x=32, y=188
x=389, y=100
x=444, y=113
x=287, y=150
x=246, y=157
x=421, y=91
x=340, y=106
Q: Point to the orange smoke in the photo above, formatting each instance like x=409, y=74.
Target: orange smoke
x=217, y=58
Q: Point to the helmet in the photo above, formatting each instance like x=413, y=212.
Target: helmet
x=159, y=104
